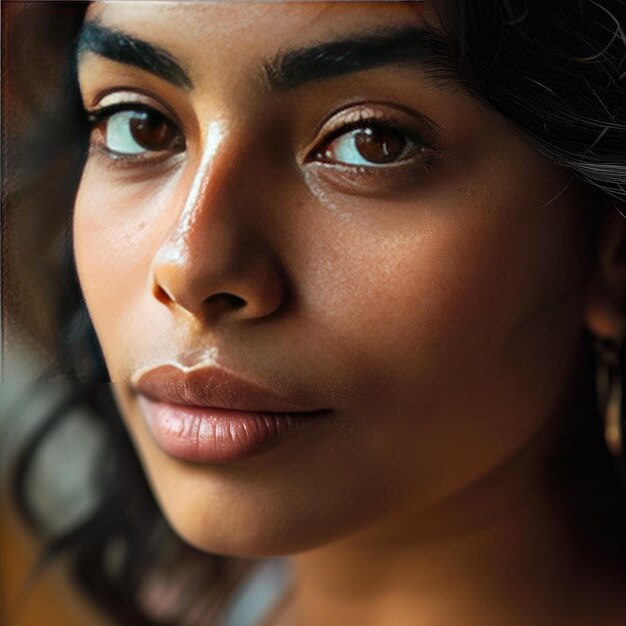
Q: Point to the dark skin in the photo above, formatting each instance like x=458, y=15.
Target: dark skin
x=439, y=284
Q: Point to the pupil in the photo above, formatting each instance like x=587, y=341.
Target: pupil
x=151, y=131
x=379, y=145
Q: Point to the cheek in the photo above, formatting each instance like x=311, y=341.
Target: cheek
x=462, y=333
x=492, y=260
x=116, y=230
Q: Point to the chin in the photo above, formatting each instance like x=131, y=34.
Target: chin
x=235, y=512
x=248, y=529
x=255, y=543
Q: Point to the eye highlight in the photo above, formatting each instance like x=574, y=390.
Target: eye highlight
x=131, y=131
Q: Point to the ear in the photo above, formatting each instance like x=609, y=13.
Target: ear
x=605, y=301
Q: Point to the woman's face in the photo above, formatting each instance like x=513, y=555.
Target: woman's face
x=333, y=226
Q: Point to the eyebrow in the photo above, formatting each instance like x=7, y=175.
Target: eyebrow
x=290, y=69
x=351, y=54
x=118, y=46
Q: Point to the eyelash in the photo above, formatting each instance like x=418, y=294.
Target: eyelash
x=103, y=115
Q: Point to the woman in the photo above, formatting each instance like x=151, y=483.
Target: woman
x=346, y=264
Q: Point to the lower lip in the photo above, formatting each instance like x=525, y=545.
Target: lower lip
x=209, y=435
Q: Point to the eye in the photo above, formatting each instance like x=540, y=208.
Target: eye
x=370, y=144
x=130, y=131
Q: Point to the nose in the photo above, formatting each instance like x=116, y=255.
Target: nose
x=215, y=260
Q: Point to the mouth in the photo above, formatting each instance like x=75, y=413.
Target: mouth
x=210, y=416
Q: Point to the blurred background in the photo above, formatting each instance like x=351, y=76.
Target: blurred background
x=36, y=38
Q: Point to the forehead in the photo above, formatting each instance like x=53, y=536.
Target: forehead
x=233, y=17
x=203, y=34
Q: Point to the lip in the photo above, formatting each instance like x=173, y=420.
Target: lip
x=208, y=415
x=213, y=387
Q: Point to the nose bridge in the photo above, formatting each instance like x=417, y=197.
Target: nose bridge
x=201, y=187
x=212, y=259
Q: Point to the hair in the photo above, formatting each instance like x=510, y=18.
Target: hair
x=555, y=70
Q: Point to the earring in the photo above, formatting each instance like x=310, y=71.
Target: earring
x=610, y=385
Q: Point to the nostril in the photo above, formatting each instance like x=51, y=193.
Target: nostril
x=225, y=300
x=161, y=295
x=216, y=303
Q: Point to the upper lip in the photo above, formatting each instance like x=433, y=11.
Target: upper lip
x=212, y=387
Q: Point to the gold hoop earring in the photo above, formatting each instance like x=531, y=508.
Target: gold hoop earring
x=610, y=385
